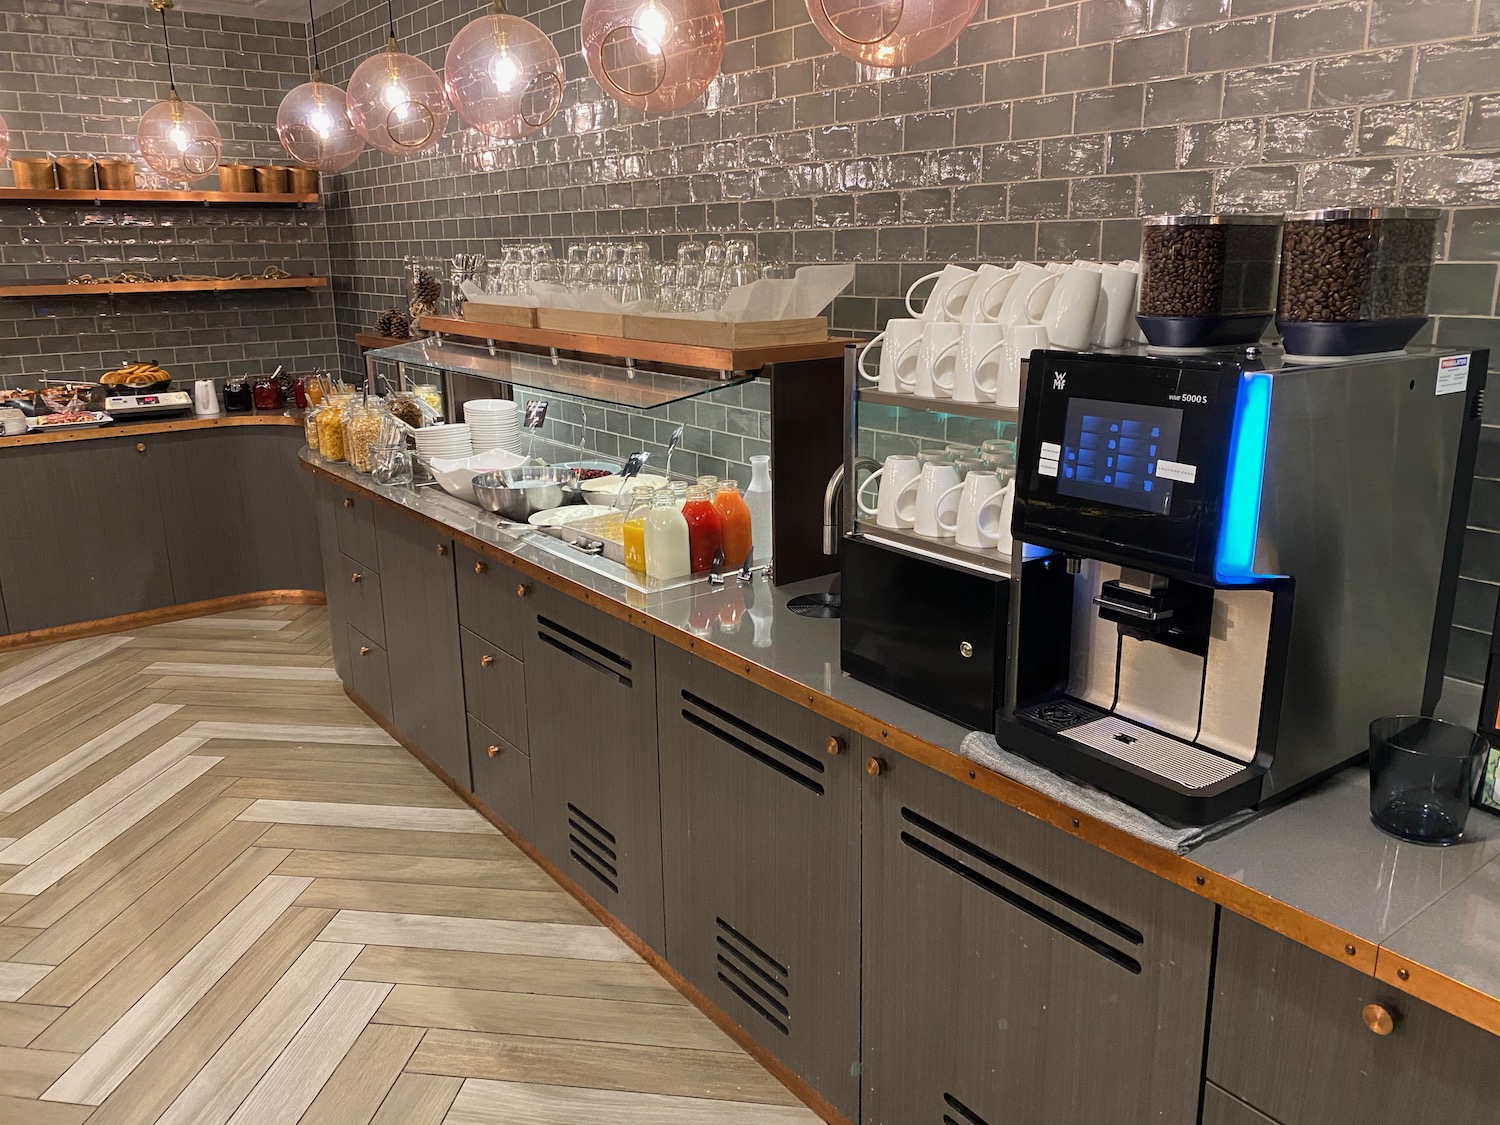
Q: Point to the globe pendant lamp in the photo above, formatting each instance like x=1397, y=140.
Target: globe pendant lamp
x=176, y=138
x=653, y=54
x=313, y=120
x=503, y=75
x=890, y=33
x=396, y=101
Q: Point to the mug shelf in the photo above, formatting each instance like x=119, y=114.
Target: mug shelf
x=940, y=405
x=946, y=550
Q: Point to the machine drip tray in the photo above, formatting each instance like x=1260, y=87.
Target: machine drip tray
x=1168, y=757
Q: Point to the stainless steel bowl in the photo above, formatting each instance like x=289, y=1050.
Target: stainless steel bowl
x=518, y=494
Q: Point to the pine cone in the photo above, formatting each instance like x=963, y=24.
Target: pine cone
x=426, y=291
x=394, y=323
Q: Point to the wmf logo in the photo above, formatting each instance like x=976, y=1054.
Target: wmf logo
x=1060, y=381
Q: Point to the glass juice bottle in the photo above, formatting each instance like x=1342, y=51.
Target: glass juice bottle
x=734, y=524
x=666, y=539
x=635, y=530
x=704, y=535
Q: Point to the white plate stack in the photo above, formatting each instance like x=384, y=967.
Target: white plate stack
x=444, y=441
x=495, y=423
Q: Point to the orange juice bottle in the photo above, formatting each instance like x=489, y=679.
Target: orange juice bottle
x=635, y=530
x=734, y=524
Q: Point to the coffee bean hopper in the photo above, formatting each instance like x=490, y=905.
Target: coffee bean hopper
x=1207, y=281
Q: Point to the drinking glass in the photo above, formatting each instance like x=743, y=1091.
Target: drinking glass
x=1423, y=773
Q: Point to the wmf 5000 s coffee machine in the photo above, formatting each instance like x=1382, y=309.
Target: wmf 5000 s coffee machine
x=1262, y=562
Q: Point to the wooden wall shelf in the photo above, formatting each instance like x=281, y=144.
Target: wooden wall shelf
x=99, y=195
x=110, y=289
x=650, y=351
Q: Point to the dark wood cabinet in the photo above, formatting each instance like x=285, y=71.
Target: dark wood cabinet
x=488, y=604
x=1014, y=975
x=591, y=718
x=760, y=852
x=356, y=529
x=1289, y=1039
x=370, y=673
x=502, y=777
x=335, y=579
x=495, y=687
x=420, y=598
x=1220, y=1108
x=85, y=535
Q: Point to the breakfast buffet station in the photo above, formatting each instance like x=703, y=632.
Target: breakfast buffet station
x=965, y=535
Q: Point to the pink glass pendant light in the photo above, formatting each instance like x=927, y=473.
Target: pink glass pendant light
x=503, y=75
x=176, y=138
x=396, y=101
x=313, y=120
x=890, y=33
x=653, y=54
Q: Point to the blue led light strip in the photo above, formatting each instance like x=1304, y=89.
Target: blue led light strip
x=1242, y=486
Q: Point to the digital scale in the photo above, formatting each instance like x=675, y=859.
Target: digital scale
x=124, y=407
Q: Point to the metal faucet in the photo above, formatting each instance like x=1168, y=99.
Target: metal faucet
x=832, y=495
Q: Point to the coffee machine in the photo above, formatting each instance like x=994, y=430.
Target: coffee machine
x=1251, y=560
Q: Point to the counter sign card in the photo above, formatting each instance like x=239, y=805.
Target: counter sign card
x=536, y=413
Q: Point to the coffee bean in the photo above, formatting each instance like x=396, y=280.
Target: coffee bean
x=1182, y=270
x=1355, y=269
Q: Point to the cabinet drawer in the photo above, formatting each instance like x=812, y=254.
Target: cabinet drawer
x=371, y=672
x=495, y=687
x=356, y=530
x=1220, y=1108
x=362, y=601
x=488, y=602
x=1289, y=1038
x=502, y=776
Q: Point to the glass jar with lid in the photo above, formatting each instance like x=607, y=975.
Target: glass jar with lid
x=310, y=426
x=331, y=427
x=362, y=421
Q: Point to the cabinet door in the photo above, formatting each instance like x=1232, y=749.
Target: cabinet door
x=356, y=529
x=502, y=777
x=420, y=597
x=495, y=688
x=760, y=853
x=371, y=674
x=488, y=601
x=84, y=532
x=335, y=579
x=591, y=718
x=1288, y=1038
x=1014, y=975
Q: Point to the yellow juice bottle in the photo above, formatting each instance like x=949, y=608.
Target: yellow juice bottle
x=635, y=531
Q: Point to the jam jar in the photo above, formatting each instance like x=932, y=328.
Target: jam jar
x=267, y=394
x=238, y=398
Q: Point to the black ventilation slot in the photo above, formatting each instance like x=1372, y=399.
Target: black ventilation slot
x=753, y=975
x=569, y=650
x=760, y=756
x=592, y=846
x=579, y=639
x=1072, y=902
x=1025, y=905
x=968, y=1116
x=813, y=763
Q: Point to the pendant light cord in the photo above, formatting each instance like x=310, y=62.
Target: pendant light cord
x=312, y=36
x=171, y=79
x=390, y=14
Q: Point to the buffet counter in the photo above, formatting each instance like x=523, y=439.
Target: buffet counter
x=1423, y=922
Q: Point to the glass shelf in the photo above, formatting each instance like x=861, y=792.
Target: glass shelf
x=946, y=550
x=941, y=405
x=593, y=382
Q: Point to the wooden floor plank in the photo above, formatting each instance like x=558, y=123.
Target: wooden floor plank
x=28, y=789
x=54, y=662
x=106, y=1064
x=418, y=1099
x=289, y=1087
x=353, y=1093
x=296, y=673
x=426, y=794
x=307, y=767
x=732, y=1076
x=367, y=734
x=482, y=1102
x=212, y=1097
x=339, y=814
x=25, y=1073
x=553, y=1017
x=390, y=841
x=453, y=902
x=498, y=972
x=13, y=938
x=168, y=1069
x=17, y=979
x=22, y=1023
x=478, y=935
x=516, y=873
x=27, y=1112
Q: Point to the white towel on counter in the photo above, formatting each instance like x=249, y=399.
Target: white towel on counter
x=983, y=750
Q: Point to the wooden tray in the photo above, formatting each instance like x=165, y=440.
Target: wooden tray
x=586, y=323
x=508, y=316
x=727, y=334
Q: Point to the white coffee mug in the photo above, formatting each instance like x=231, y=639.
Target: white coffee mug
x=949, y=292
x=981, y=351
x=893, y=347
x=937, y=360
x=1028, y=296
x=934, y=496
x=976, y=523
x=1116, y=303
x=1020, y=342
x=899, y=470
x=1133, y=333
x=1069, y=316
x=1004, y=543
x=987, y=294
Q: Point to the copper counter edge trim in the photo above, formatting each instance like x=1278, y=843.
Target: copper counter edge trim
x=136, y=429
x=101, y=626
x=1460, y=1000
x=1287, y=920
x=721, y=1019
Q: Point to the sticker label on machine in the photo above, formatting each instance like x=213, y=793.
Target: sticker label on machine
x=1453, y=374
x=1176, y=470
x=1047, y=463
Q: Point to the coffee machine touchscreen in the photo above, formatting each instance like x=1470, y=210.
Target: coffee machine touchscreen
x=1120, y=453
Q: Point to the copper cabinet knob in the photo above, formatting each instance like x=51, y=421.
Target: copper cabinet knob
x=834, y=745
x=356, y=577
x=442, y=549
x=481, y=567
x=492, y=751
x=1378, y=1018
x=364, y=650
x=486, y=660
x=140, y=447
x=348, y=501
x=874, y=767
x=522, y=590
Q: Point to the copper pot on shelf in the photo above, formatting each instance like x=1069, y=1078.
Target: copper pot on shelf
x=75, y=173
x=115, y=175
x=304, y=181
x=273, y=179
x=236, y=177
x=34, y=172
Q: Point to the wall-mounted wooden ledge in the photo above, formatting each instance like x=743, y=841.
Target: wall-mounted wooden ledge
x=125, y=288
x=141, y=429
x=152, y=195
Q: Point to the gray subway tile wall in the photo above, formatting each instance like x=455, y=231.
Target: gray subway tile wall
x=75, y=79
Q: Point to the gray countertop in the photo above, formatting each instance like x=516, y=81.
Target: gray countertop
x=1318, y=854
